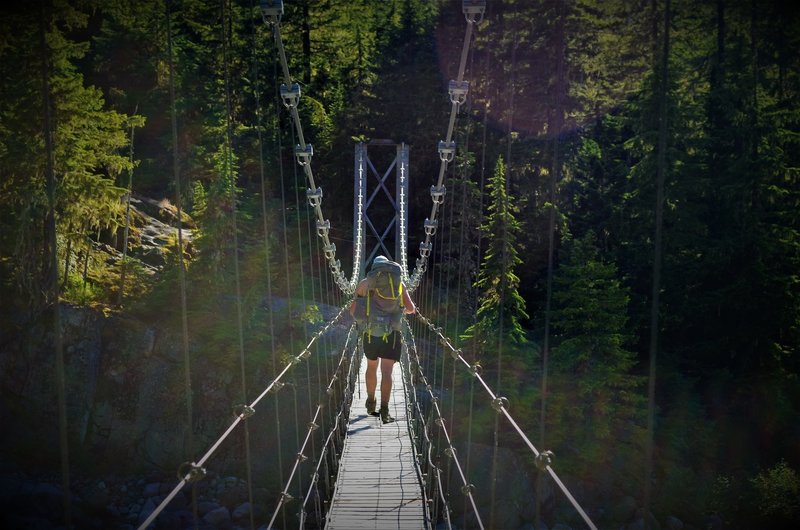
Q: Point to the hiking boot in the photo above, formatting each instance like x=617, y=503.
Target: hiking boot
x=385, y=418
x=370, y=404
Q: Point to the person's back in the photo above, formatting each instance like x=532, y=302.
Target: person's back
x=381, y=299
x=380, y=310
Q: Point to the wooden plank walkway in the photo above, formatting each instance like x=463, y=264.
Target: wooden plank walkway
x=378, y=486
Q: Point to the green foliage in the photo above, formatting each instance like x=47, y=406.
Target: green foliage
x=767, y=500
x=501, y=308
x=582, y=76
x=87, y=140
x=778, y=494
x=596, y=403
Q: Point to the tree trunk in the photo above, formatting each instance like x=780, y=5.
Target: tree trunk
x=661, y=169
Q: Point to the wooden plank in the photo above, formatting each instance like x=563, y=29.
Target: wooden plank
x=378, y=485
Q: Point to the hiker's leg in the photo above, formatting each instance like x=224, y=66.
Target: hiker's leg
x=386, y=380
x=371, y=377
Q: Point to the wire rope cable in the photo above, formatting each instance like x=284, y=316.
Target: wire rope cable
x=551, y=228
x=304, y=152
x=457, y=89
x=187, y=364
x=312, y=426
x=543, y=459
x=191, y=472
x=442, y=431
x=58, y=344
x=231, y=177
x=657, y=258
x=266, y=232
x=125, y=234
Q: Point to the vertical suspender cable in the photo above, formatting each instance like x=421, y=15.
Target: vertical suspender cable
x=187, y=372
x=50, y=225
x=265, y=226
x=654, y=307
x=227, y=28
x=279, y=156
x=121, y=293
x=503, y=283
x=487, y=106
x=460, y=278
x=288, y=284
x=304, y=300
x=300, y=260
x=551, y=228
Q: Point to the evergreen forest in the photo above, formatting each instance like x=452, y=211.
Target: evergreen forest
x=618, y=245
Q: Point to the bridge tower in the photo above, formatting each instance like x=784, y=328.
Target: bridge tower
x=381, y=209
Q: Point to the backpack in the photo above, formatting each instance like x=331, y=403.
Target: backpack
x=381, y=311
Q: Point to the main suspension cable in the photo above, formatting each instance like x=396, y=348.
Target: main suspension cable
x=290, y=93
x=473, y=13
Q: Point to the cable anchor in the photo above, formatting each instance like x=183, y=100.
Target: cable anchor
x=458, y=91
x=437, y=194
x=468, y=489
x=303, y=154
x=475, y=369
x=314, y=197
x=323, y=227
x=272, y=9
x=455, y=354
x=290, y=95
x=543, y=460
x=243, y=411
x=430, y=226
x=447, y=150
x=330, y=251
x=473, y=10
x=425, y=249
x=499, y=403
x=191, y=472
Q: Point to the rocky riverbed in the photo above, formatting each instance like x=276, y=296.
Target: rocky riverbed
x=36, y=502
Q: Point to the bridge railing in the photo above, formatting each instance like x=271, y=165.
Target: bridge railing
x=431, y=424
x=341, y=383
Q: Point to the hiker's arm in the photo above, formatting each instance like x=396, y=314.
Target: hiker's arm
x=361, y=290
x=408, y=304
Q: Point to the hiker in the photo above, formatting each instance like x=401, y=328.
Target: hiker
x=381, y=300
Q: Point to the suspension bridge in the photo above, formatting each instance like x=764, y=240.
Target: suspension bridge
x=367, y=474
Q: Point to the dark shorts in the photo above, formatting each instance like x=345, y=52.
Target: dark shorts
x=375, y=347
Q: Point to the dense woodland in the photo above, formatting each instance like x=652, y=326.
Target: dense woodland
x=624, y=208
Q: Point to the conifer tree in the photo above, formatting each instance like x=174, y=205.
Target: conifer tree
x=596, y=402
x=501, y=307
x=88, y=141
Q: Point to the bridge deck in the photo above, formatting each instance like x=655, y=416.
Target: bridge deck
x=378, y=486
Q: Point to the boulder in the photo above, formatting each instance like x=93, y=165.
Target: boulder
x=219, y=518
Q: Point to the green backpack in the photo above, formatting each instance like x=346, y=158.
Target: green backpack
x=381, y=311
